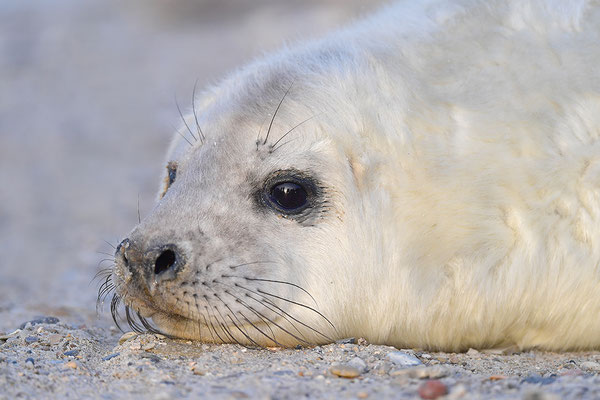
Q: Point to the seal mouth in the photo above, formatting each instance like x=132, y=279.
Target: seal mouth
x=174, y=325
x=277, y=329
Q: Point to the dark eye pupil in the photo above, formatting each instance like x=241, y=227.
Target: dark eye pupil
x=289, y=195
x=172, y=175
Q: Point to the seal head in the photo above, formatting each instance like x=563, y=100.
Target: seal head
x=429, y=177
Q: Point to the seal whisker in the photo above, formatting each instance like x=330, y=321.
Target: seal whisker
x=265, y=322
x=198, y=129
x=114, y=310
x=265, y=302
x=225, y=329
x=184, y=138
x=112, y=260
x=283, y=144
x=282, y=314
x=275, y=113
x=274, y=145
x=104, y=284
x=273, y=281
x=298, y=304
x=276, y=324
x=259, y=302
x=107, y=293
x=251, y=263
x=102, y=273
x=240, y=301
x=212, y=325
x=243, y=332
x=138, y=210
x=183, y=119
x=149, y=327
x=133, y=324
x=110, y=244
x=260, y=330
x=105, y=289
x=208, y=327
x=262, y=124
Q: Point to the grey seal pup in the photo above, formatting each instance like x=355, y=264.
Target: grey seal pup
x=426, y=177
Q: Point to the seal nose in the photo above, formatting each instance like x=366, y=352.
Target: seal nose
x=154, y=264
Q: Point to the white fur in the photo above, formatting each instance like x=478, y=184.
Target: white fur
x=460, y=145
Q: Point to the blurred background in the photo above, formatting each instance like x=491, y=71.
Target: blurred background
x=87, y=110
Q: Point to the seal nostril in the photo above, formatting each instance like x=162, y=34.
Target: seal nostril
x=165, y=261
x=121, y=250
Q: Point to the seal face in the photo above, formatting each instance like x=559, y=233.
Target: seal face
x=429, y=177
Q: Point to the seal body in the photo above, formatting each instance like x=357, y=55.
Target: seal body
x=446, y=160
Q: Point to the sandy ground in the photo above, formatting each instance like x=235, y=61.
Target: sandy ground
x=86, y=111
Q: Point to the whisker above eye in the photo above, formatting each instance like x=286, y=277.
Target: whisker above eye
x=274, y=146
x=276, y=111
x=198, y=129
x=183, y=119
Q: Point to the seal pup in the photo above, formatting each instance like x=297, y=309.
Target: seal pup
x=427, y=177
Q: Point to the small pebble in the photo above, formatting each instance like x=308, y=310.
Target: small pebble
x=432, y=389
x=344, y=371
x=503, y=351
x=422, y=372
x=126, y=336
x=472, y=352
x=403, y=359
x=539, y=395
x=590, y=366
x=358, y=363
x=572, y=372
x=40, y=320
x=110, y=356
x=362, y=395
x=54, y=339
x=31, y=339
x=458, y=392
x=350, y=340
x=71, y=364
x=152, y=357
x=71, y=353
x=135, y=346
x=538, y=379
x=149, y=346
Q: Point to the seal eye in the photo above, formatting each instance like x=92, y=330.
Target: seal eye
x=171, y=172
x=170, y=178
x=289, y=196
